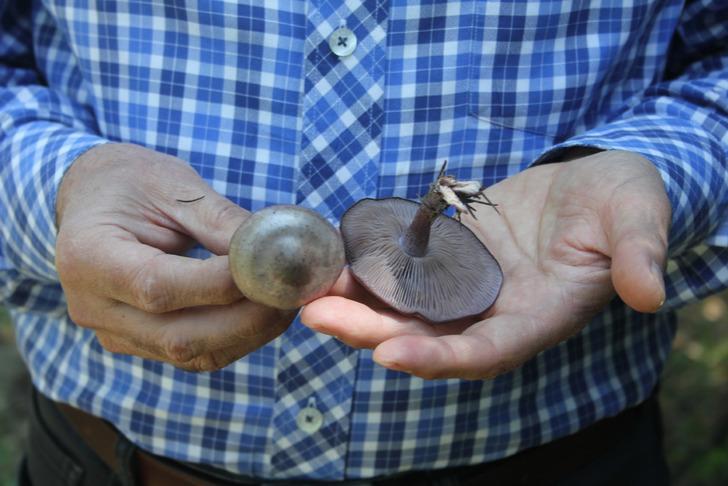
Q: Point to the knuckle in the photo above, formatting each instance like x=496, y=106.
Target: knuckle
x=207, y=363
x=225, y=215
x=68, y=258
x=654, y=243
x=180, y=349
x=149, y=292
x=110, y=343
x=79, y=313
x=201, y=364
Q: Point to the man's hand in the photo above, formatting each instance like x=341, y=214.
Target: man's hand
x=568, y=235
x=125, y=215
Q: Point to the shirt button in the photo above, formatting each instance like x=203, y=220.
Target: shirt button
x=342, y=42
x=309, y=419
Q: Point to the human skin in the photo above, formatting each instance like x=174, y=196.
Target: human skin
x=123, y=227
x=568, y=237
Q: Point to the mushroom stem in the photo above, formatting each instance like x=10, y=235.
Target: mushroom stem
x=446, y=191
x=414, y=241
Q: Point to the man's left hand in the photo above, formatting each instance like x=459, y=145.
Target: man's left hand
x=568, y=236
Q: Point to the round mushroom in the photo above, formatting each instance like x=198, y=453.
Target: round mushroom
x=285, y=256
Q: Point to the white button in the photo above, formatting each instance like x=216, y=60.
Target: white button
x=309, y=419
x=342, y=42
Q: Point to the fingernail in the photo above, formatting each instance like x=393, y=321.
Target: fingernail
x=381, y=360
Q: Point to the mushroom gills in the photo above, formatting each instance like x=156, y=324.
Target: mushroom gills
x=455, y=277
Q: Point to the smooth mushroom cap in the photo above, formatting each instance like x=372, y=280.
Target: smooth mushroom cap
x=285, y=256
x=457, y=277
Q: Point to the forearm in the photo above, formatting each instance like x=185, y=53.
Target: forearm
x=41, y=132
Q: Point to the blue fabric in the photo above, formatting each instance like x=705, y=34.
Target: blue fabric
x=250, y=94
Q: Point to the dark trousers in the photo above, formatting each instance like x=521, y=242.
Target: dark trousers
x=625, y=451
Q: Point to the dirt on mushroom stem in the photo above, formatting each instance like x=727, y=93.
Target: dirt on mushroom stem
x=446, y=191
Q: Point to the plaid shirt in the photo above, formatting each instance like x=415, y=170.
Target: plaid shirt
x=252, y=96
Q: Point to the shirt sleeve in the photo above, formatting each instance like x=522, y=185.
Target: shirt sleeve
x=41, y=134
x=681, y=125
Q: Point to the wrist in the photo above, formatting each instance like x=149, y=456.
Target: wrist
x=76, y=175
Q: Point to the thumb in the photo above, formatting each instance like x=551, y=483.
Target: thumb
x=210, y=218
x=638, y=245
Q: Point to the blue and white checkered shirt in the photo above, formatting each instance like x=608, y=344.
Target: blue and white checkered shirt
x=251, y=94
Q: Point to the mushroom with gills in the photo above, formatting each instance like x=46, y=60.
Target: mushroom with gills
x=418, y=260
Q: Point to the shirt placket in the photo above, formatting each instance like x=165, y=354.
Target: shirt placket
x=342, y=104
x=342, y=116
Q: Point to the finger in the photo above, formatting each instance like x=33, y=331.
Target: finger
x=486, y=350
x=360, y=326
x=170, y=195
x=202, y=339
x=210, y=219
x=142, y=276
x=637, y=274
x=111, y=262
x=638, y=246
x=347, y=286
x=211, y=361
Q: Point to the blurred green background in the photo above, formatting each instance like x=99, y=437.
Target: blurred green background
x=694, y=397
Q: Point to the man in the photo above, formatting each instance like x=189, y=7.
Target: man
x=601, y=127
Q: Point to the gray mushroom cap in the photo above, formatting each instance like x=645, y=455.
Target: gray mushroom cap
x=457, y=277
x=285, y=256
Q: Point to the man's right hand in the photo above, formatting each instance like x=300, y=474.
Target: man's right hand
x=125, y=216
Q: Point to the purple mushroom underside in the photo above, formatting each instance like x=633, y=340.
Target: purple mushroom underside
x=455, y=277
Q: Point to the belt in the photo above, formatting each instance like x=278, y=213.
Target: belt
x=105, y=440
x=540, y=465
